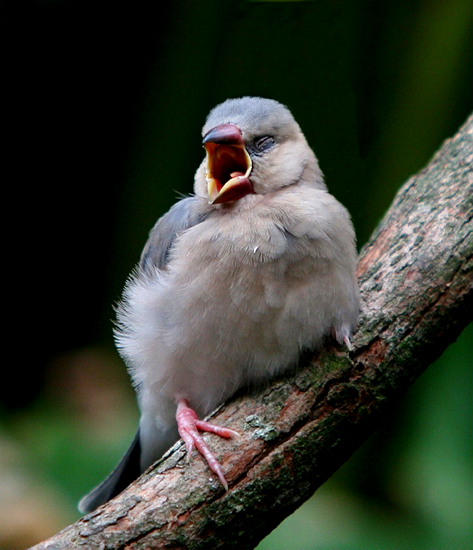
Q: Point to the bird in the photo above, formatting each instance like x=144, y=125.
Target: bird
x=234, y=284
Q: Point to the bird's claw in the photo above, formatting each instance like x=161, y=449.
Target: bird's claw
x=347, y=342
x=189, y=425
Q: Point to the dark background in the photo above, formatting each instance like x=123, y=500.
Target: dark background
x=102, y=109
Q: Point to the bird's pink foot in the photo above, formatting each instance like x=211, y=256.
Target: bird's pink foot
x=189, y=425
x=348, y=344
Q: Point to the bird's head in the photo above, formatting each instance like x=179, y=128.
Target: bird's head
x=253, y=146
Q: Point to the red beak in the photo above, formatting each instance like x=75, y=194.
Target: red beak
x=228, y=164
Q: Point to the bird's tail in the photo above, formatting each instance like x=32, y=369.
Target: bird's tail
x=127, y=471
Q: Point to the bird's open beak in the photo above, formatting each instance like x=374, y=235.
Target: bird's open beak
x=228, y=164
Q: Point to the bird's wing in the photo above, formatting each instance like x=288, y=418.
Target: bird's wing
x=184, y=214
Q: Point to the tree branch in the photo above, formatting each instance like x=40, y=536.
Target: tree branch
x=416, y=281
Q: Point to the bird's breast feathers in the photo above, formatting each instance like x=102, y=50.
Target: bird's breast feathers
x=243, y=293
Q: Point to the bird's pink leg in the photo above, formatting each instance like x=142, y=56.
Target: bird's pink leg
x=188, y=424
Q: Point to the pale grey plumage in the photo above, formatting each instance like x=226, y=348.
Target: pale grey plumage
x=228, y=295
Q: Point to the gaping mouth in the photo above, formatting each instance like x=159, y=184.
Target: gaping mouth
x=228, y=164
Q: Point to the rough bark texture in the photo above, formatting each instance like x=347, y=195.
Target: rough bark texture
x=416, y=278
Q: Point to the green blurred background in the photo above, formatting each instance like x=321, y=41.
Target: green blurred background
x=102, y=110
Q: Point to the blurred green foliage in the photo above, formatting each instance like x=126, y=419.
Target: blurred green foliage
x=107, y=103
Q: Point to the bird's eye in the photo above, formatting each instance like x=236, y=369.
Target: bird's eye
x=263, y=143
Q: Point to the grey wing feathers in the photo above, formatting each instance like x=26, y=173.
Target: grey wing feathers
x=184, y=214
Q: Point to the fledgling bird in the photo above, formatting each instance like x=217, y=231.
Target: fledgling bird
x=234, y=283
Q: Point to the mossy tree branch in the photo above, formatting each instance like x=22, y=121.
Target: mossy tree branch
x=416, y=280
